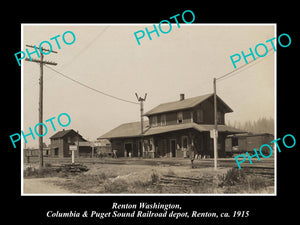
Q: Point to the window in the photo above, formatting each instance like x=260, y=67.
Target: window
x=179, y=117
x=219, y=117
x=163, y=121
x=199, y=115
x=154, y=121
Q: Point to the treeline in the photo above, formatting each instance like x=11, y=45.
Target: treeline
x=261, y=125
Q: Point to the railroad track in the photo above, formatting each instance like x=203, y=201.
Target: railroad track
x=266, y=172
x=178, y=181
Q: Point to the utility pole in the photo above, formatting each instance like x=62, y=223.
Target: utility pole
x=41, y=62
x=73, y=153
x=141, y=100
x=215, y=128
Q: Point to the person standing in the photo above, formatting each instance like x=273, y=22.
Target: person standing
x=115, y=154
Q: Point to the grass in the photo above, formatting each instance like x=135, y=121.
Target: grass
x=132, y=177
x=85, y=183
x=48, y=171
x=31, y=172
x=132, y=184
x=236, y=181
x=149, y=182
x=232, y=177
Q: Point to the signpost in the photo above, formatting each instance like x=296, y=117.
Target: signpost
x=73, y=148
x=213, y=132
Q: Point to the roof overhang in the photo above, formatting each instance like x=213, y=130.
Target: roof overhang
x=195, y=126
x=172, y=128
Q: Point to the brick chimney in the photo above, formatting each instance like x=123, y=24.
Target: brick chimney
x=181, y=97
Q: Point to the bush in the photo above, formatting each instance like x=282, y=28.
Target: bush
x=236, y=181
x=117, y=186
x=232, y=177
x=86, y=181
x=29, y=171
x=154, y=178
x=171, y=173
x=102, y=176
x=257, y=183
x=41, y=172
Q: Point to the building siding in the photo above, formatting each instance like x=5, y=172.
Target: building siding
x=161, y=145
x=190, y=115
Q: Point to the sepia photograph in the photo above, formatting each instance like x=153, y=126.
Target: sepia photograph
x=148, y=109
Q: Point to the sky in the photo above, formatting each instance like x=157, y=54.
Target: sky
x=108, y=58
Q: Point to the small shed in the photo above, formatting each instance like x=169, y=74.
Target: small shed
x=85, y=149
x=61, y=141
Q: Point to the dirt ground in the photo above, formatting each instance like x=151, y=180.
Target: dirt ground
x=43, y=186
x=138, y=176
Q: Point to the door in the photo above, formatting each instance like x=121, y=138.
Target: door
x=228, y=144
x=184, y=146
x=173, y=147
x=55, y=152
x=128, y=150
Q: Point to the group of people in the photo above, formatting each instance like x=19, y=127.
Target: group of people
x=194, y=155
x=101, y=155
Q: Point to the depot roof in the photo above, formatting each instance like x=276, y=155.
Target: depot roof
x=63, y=133
x=185, y=104
x=128, y=130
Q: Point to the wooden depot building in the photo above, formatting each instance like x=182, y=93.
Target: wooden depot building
x=171, y=129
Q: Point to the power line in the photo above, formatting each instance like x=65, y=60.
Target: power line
x=215, y=130
x=84, y=85
x=78, y=54
x=42, y=63
x=233, y=71
x=85, y=48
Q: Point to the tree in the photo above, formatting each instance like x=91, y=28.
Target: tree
x=261, y=125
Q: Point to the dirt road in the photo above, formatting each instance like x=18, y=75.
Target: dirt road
x=42, y=186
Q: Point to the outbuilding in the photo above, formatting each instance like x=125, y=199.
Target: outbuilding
x=61, y=140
